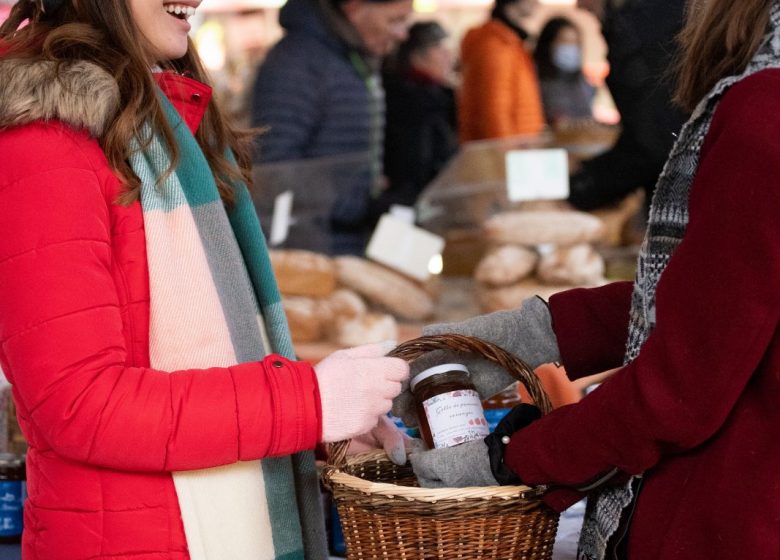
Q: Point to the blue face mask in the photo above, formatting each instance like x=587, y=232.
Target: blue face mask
x=567, y=58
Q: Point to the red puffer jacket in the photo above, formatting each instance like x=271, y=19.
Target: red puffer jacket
x=105, y=430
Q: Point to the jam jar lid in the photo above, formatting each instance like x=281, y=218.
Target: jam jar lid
x=442, y=368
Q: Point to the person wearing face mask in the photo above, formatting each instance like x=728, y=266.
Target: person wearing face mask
x=421, y=134
x=499, y=95
x=318, y=94
x=566, y=95
x=141, y=327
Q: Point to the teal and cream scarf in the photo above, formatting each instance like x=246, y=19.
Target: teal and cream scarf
x=666, y=228
x=215, y=302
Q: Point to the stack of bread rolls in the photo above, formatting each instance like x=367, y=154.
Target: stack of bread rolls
x=538, y=252
x=345, y=300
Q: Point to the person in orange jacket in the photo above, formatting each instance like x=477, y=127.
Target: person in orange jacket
x=500, y=92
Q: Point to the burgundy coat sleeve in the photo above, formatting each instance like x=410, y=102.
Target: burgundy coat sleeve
x=62, y=343
x=717, y=312
x=591, y=326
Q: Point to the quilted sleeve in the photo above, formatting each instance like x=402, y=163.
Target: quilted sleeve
x=288, y=101
x=62, y=344
x=495, y=70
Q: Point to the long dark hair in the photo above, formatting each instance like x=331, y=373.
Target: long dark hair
x=718, y=40
x=543, y=50
x=102, y=32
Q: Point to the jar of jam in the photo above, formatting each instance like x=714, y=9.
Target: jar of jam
x=12, y=495
x=448, y=406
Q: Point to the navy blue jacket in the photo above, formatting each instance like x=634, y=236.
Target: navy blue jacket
x=308, y=93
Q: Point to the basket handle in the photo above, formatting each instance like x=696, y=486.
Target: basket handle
x=413, y=349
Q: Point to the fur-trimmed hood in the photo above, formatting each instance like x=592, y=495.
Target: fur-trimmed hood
x=80, y=93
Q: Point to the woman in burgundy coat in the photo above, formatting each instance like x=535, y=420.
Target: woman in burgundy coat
x=683, y=438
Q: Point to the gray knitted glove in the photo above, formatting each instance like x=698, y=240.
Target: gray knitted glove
x=525, y=332
x=467, y=464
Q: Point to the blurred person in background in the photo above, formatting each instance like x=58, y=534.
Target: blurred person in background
x=420, y=133
x=499, y=95
x=678, y=450
x=566, y=95
x=141, y=326
x=640, y=36
x=319, y=94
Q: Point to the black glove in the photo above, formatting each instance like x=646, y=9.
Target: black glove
x=517, y=419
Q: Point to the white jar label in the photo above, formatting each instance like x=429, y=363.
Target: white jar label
x=455, y=417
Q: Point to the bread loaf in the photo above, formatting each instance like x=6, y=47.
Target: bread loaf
x=303, y=273
x=381, y=286
x=305, y=318
x=506, y=265
x=560, y=228
x=510, y=297
x=578, y=265
x=344, y=304
x=366, y=329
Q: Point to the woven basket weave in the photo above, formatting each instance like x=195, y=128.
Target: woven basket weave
x=384, y=514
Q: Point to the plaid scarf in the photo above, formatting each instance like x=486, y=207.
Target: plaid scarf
x=215, y=302
x=666, y=228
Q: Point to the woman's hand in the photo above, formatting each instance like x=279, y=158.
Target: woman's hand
x=477, y=463
x=387, y=436
x=525, y=332
x=467, y=464
x=357, y=386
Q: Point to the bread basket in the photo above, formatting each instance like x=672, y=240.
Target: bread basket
x=385, y=515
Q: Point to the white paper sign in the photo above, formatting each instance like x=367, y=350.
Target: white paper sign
x=537, y=175
x=403, y=213
x=280, y=222
x=405, y=248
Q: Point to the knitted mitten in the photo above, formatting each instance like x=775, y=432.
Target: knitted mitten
x=357, y=386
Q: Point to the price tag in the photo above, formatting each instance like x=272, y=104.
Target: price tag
x=280, y=222
x=406, y=248
x=537, y=175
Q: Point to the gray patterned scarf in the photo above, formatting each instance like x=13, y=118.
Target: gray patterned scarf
x=666, y=228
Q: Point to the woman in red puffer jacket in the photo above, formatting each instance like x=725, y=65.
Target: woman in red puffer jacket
x=140, y=325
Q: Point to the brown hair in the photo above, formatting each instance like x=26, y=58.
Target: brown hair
x=102, y=32
x=719, y=39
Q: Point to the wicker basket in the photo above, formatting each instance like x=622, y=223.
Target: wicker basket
x=385, y=515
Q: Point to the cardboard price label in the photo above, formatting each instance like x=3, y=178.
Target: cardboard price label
x=406, y=248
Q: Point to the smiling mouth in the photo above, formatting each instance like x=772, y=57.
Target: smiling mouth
x=180, y=11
